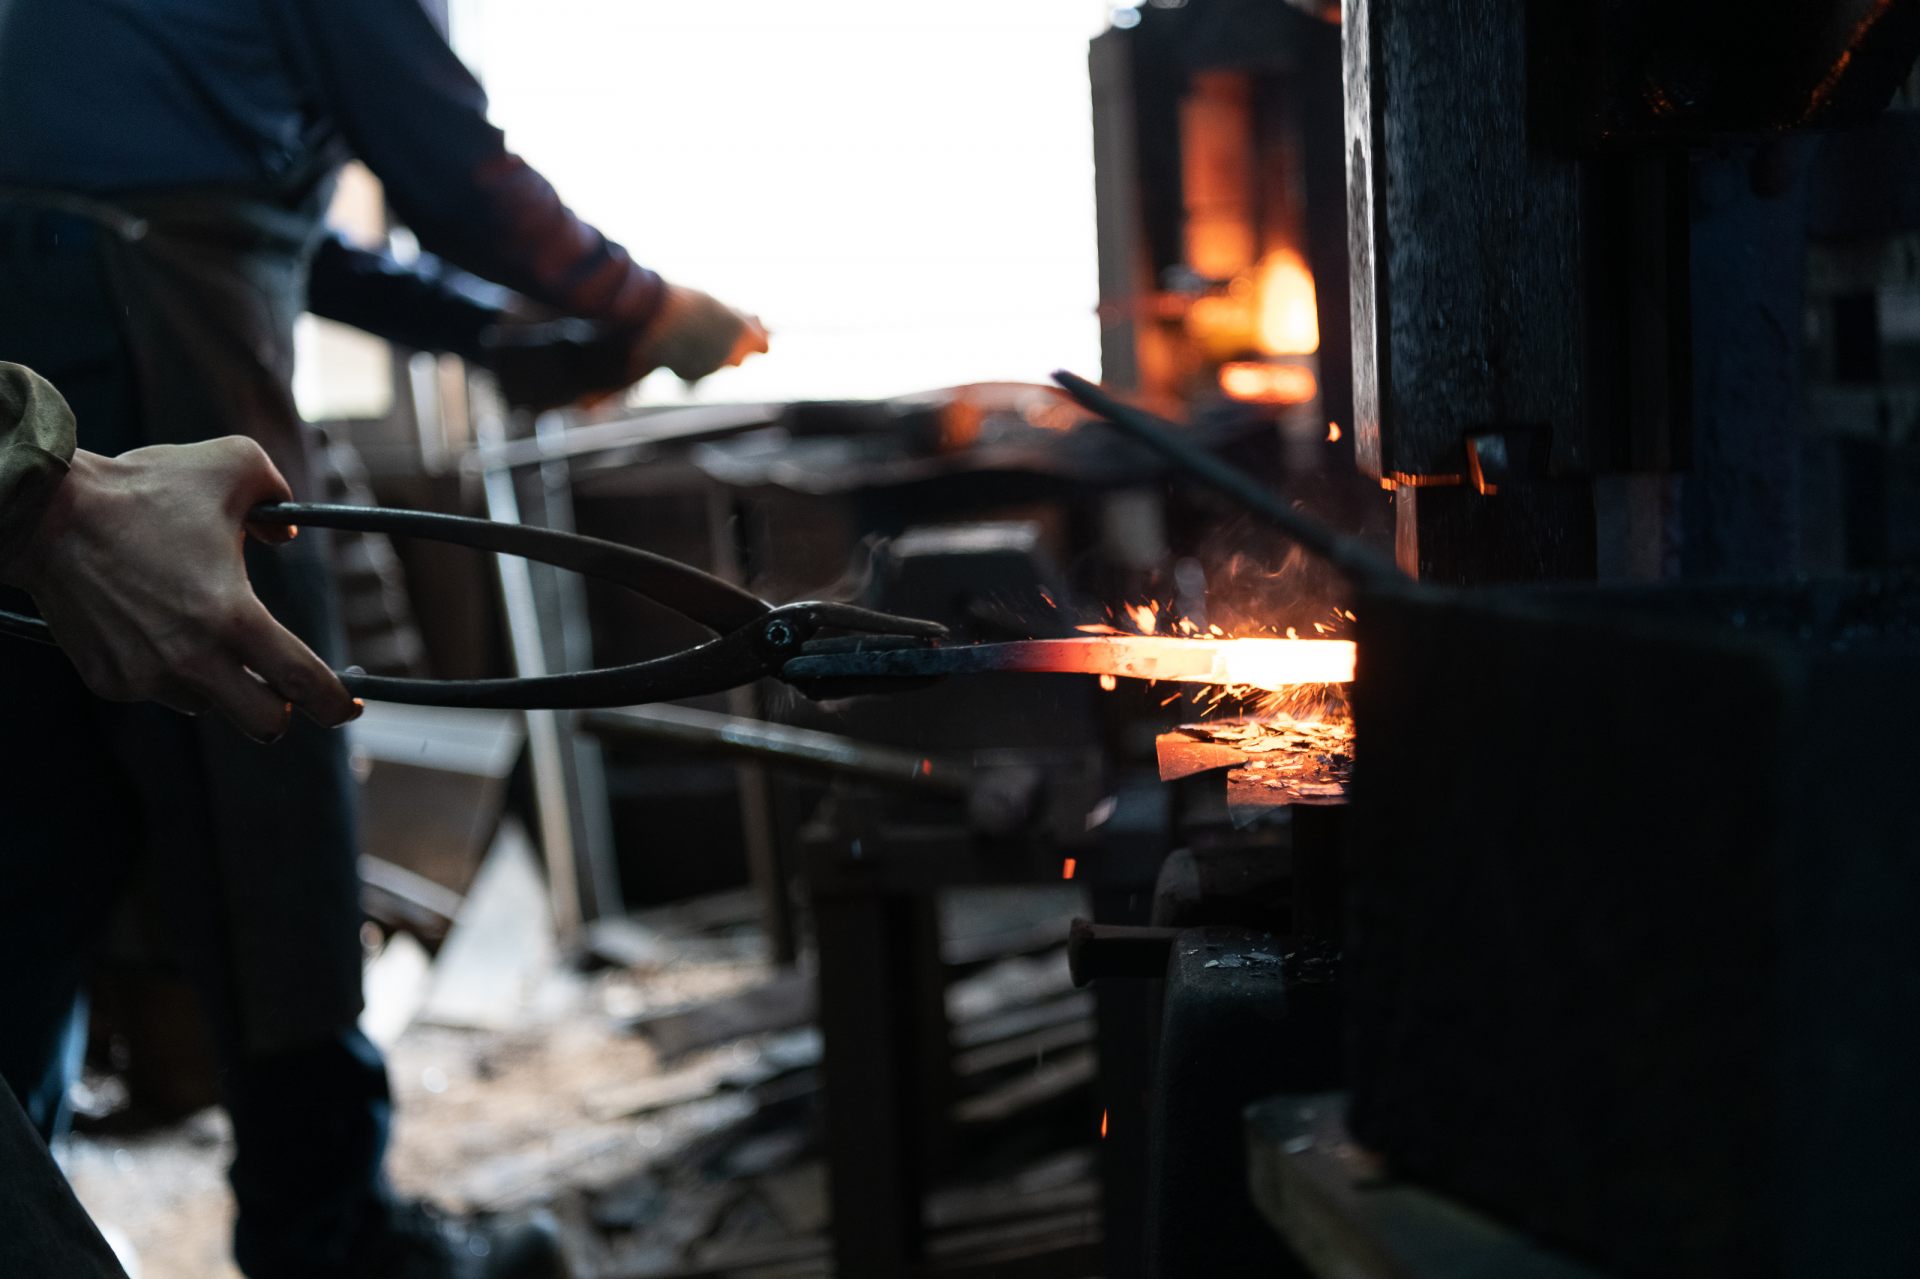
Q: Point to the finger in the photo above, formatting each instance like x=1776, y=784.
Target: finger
x=261, y=483
x=247, y=703
x=752, y=341
x=292, y=669
x=182, y=698
x=272, y=534
x=255, y=479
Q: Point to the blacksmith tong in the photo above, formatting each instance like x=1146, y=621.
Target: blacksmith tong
x=752, y=638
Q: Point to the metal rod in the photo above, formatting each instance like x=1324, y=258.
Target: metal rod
x=799, y=748
x=546, y=738
x=1356, y=560
x=653, y=430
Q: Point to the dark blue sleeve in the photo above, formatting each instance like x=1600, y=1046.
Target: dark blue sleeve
x=415, y=307
x=407, y=106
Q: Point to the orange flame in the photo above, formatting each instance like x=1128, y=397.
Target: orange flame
x=1333, y=432
x=1289, y=318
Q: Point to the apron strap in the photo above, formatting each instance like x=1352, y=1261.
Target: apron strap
x=124, y=225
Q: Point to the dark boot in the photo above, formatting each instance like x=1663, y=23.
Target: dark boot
x=422, y=1244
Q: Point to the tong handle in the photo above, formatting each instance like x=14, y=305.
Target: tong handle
x=718, y=605
x=752, y=638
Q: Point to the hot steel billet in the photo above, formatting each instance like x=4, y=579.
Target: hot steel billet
x=1228, y=663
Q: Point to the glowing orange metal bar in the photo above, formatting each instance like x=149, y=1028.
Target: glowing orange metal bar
x=1267, y=664
x=1247, y=663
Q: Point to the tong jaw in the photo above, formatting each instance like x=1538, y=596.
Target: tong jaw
x=866, y=629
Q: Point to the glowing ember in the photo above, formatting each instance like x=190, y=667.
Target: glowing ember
x=1103, y=1123
x=1272, y=761
x=1295, y=742
x=1071, y=868
x=1252, y=382
x=1289, y=312
x=1145, y=617
x=1333, y=432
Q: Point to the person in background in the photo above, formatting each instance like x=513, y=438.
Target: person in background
x=164, y=168
x=135, y=563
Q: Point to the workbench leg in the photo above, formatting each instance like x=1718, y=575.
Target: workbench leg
x=1124, y=1030
x=872, y=991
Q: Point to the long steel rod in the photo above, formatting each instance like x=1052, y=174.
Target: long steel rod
x=779, y=744
x=1359, y=562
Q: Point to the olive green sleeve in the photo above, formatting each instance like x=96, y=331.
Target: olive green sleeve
x=36, y=443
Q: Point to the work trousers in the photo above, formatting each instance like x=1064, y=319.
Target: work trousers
x=99, y=799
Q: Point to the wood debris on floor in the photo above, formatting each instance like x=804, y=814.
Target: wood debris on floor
x=660, y=1096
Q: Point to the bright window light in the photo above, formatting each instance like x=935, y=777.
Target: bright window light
x=902, y=189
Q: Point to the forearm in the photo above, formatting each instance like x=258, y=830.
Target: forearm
x=414, y=309
x=36, y=447
x=413, y=112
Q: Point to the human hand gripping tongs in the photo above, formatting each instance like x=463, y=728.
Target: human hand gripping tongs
x=752, y=638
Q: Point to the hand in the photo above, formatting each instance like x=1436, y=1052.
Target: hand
x=696, y=334
x=136, y=566
x=558, y=362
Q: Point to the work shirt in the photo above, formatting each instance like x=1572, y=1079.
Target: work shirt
x=133, y=97
x=36, y=443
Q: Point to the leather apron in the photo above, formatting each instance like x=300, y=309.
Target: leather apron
x=210, y=284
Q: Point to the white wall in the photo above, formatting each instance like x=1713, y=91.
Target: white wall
x=903, y=189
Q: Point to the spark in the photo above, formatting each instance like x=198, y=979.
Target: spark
x=1071, y=868
x=1108, y=683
